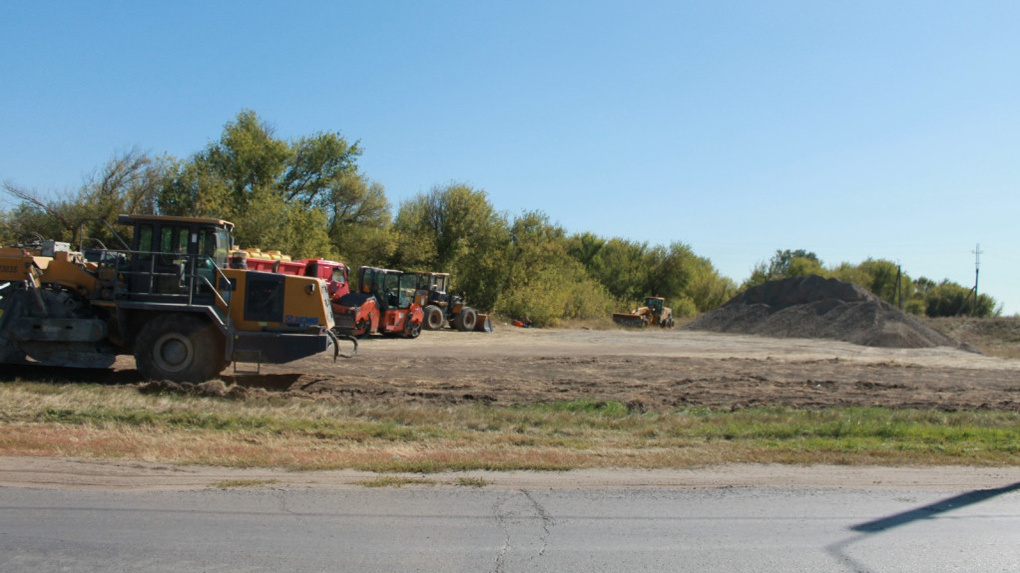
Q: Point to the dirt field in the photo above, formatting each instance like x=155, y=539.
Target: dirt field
x=648, y=370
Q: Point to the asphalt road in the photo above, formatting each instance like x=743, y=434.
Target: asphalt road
x=450, y=528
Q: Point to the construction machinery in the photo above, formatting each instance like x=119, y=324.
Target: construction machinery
x=380, y=306
x=653, y=313
x=334, y=273
x=442, y=307
x=169, y=298
x=384, y=303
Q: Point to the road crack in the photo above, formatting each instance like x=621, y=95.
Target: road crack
x=526, y=527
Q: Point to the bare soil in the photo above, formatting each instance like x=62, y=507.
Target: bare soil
x=647, y=369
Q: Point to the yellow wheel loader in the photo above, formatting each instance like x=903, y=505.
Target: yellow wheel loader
x=653, y=313
x=442, y=307
x=168, y=298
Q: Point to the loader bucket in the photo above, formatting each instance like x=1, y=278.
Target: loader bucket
x=483, y=324
x=624, y=319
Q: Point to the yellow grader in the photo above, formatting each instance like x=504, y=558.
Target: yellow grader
x=653, y=313
x=169, y=299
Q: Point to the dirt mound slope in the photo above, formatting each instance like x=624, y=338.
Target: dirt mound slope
x=816, y=307
x=995, y=336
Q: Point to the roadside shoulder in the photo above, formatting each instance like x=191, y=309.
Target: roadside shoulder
x=77, y=474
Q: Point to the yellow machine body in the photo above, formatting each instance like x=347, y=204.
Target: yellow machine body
x=168, y=298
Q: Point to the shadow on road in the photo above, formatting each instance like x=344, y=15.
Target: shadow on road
x=930, y=511
x=933, y=509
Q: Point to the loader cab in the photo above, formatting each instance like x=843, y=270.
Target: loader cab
x=655, y=304
x=432, y=289
x=169, y=253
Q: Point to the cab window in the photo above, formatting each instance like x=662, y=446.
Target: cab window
x=173, y=240
x=338, y=276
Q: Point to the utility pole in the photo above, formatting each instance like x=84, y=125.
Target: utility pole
x=977, y=269
x=898, y=296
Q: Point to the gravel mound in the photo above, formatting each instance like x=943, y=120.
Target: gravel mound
x=816, y=307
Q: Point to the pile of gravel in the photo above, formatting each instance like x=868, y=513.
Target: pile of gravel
x=816, y=307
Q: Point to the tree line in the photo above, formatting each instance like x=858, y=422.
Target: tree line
x=308, y=197
x=885, y=279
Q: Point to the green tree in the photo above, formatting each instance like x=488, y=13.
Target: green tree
x=669, y=271
x=438, y=228
x=543, y=281
x=534, y=244
x=553, y=294
x=888, y=282
x=6, y=233
x=785, y=264
x=248, y=159
x=303, y=235
x=851, y=273
x=950, y=299
x=317, y=167
x=192, y=188
x=586, y=248
x=631, y=271
x=707, y=289
x=302, y=198
x=622, y=267
x=360, y=223
x=454, y=229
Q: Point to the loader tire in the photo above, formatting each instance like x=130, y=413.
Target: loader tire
x=179, y=348
x=465, y=321
x=11, y=301
x=433, y=318
x=412, y=330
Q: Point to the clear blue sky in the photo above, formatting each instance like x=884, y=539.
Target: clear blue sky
x=877, y=129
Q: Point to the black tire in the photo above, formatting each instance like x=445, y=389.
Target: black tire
x=363, y=329
x=412, y=330
x=12, y=304
x=433, y=318
x=179, y=348
x=465, y=321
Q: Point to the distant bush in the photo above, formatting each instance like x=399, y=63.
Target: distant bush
x=553, y=295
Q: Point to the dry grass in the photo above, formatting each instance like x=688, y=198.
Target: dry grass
x=992, y=336
x=601, y=323
x=606, y=323
x=248, y=483
x=119, y=423
x=394, y=481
